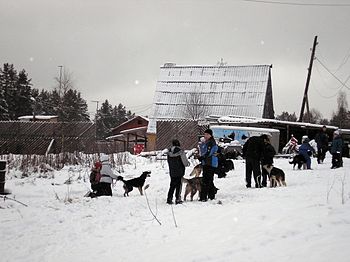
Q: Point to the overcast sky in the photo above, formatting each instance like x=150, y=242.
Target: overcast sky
x=114, y=48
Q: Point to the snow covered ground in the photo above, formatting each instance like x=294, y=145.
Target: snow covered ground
x=305, y=221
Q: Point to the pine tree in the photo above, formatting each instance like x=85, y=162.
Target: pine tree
x=9, y=80
x=4, y=114
x=23, y=101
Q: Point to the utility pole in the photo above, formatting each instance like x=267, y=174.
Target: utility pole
x=305, y=98
x=60, y=79
x=96, y=101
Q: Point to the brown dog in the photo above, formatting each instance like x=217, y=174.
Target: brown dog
x=197, y=170
x=192, y=186
x=277, y=176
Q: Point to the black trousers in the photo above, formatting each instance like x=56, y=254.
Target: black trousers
x=252, y=166
x=321, y=154
x=208, y=187
x=264, y=175
x=104, y=189
x=175, y=185
x=337, y=160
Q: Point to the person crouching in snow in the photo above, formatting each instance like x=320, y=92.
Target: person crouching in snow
x=306, y=151
x=177, y=161
x=95, y=176
x=107, y=176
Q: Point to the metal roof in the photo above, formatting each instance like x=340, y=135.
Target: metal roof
x=218, y=90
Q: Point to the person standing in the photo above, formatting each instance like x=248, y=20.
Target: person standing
x=306, y=151
x=322, y=144
x=107, y=176
x=267, y=160
x=177, y=161
x=209, y=161
x=252, y=152
x=336, y=150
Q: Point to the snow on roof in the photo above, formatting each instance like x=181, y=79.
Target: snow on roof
x=39, y=117
x=223, y=90
x=240, y=119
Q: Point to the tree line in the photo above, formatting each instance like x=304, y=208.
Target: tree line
x=340, y=118
x=18, y=98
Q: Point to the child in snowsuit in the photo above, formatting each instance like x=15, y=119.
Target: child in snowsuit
x=306, y=151
x=95, y=176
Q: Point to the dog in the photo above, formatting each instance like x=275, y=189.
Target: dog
x=277, y=176
x=298, y=160
x=137, y=182
x=194, y=185
x=197, y=170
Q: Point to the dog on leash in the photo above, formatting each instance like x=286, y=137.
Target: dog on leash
x=137, y=182
x=194, y=185
x=298, y=160
x=277, y=176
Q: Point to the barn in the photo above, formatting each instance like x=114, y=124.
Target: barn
x=186, y=92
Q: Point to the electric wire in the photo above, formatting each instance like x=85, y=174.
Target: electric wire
x=298, y=4
x=325, y=67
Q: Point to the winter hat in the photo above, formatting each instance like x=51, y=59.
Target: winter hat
x=98, y=165
x=336, y=132
x=209, y=131
x=175, y=142
x=104, y=158
x=306, y=140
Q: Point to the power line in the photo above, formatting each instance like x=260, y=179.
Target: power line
x=343, y=84
x=297, y=4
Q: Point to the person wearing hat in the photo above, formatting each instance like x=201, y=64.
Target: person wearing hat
x=306, y=151
x=209, y=161
x=336, y=150
x=322, y=144
x=107, y=176
x=95, y=177
x=177, y=162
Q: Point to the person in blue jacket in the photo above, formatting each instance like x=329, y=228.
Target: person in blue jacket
x=209, y=161
x=336, y=150
x=306, y=151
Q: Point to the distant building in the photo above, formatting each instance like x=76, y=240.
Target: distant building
x=41, y=118
x=131, y=133
x=194, y=92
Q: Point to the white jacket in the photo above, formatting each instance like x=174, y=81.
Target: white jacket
x=107, y=173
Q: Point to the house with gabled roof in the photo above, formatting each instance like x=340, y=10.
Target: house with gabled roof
x=194, y=92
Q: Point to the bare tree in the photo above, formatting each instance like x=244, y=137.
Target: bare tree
x=195, y=108
x=315, y=116
x=64, y=82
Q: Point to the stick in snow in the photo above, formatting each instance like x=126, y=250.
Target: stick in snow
x=147, y=186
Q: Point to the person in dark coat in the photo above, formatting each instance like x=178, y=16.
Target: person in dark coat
x=322, y=144
x=267, y=160
x=252, y=152
x=177, y=161
x=336, y=150
x=209, y=161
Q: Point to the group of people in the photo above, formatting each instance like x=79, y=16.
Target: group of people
x=177, y=161
x=322, y=141
x=101, y=178
x=257, y=151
